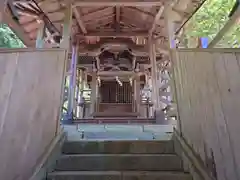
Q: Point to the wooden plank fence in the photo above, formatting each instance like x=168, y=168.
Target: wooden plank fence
x=207, y=84
x=30, y=98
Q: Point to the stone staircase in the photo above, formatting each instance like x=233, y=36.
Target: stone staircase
x=119, y=160
x=119, y=132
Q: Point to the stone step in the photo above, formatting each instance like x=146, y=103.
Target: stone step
x=112, y=135
x=119, y=162
x=125, y=128
x=116, y=175
x=118, y=147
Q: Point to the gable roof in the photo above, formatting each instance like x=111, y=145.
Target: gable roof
x=95, y=21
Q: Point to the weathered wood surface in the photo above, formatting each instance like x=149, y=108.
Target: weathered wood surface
x=207, y=90
x=30, y=98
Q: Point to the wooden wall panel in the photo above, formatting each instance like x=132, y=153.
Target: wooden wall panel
x=207, y=86
x=30, y=99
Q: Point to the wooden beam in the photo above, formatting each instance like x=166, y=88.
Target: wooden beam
x=40, y=35
x=232, y=20
x=135, y=3
x=116, y=34
x=98, y=62
x=156, y=19
x=67, y=26
x=152, y=54
x=115, y=73
x=117, y=41
x=134, y=52
x=79, y=20
x=123, y=44
x=96, y=53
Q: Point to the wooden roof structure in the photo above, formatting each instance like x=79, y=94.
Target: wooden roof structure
x=99, y=22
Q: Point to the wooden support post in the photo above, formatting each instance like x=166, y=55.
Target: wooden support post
x=171, y=35
x=137, y=94
x=40, y=35
x=75, y=68
x=78, y=77
x=74, y=74
x=134, y=96
x=158, y=74
x=81, y=87
x=67, y=26
x=83, y=80
x=152, y=53
x=93, y=93
x=72, y=82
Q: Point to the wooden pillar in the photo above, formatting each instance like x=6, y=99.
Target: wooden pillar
x=79, y=92
x=171, y=31
x=80, y=95
x=93, y=93
x=137, y=94
x=72, y=82
x=40, y=35
x=171, y=36
x=152, y=54
x=67, y=26
x=77, y=89
x=83, y=81
x=75, y=68
x=158, y=74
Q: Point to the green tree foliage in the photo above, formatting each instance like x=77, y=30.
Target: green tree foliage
x=8, y=39
x=208, y=20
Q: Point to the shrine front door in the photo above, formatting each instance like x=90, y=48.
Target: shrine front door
x=115, y=99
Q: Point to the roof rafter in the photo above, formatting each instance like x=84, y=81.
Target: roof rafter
x=79, y=20
x=156, y=19
x=116, y=34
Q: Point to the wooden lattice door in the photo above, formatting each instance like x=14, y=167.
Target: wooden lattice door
x=112, y=92
x=115, y=98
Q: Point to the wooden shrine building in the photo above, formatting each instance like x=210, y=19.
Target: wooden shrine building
x=119, y=50
x=115, y=61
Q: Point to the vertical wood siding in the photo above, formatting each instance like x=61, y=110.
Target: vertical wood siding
x=208, y=96
x=30, y=93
